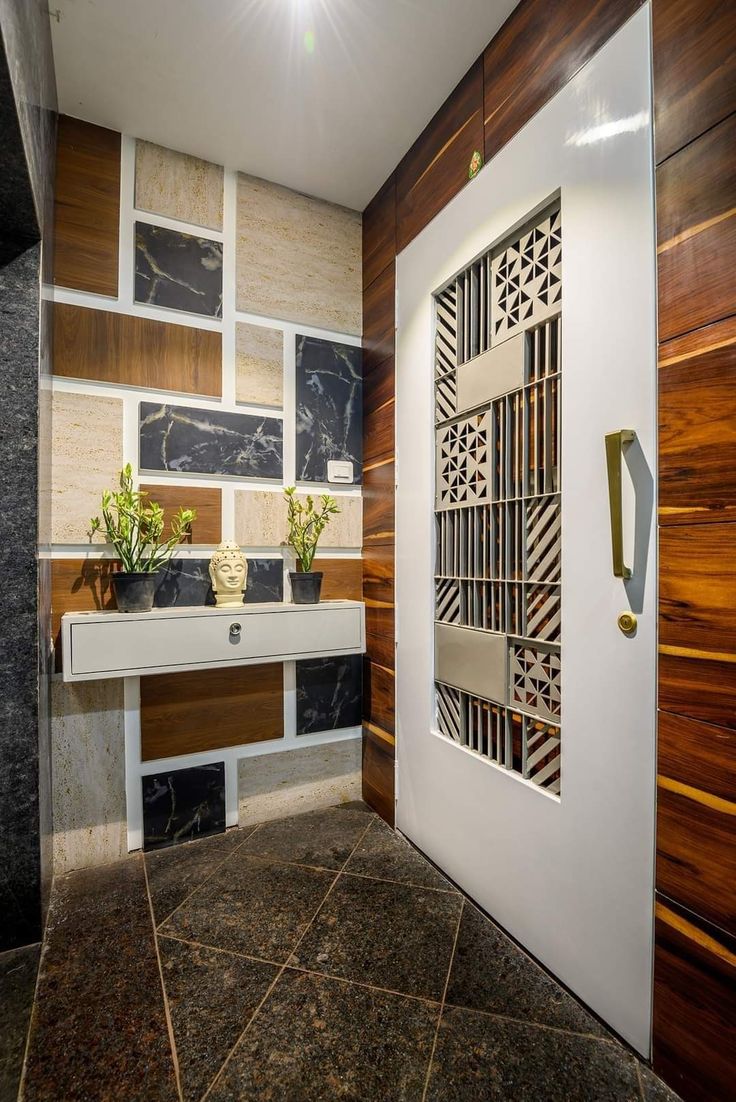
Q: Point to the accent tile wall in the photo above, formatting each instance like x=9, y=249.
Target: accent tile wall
x=221, y=358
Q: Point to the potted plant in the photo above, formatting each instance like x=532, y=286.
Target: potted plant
x=135, y=528
x=306, y=525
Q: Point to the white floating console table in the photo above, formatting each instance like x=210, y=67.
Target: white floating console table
x=167, y=640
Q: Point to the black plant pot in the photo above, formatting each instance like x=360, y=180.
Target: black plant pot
x=305, y=587
x=134, y=592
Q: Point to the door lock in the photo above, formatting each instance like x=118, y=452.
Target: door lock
x=235, y=632
x=627, y=623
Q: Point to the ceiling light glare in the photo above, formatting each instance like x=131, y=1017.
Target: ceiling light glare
x=608, y=130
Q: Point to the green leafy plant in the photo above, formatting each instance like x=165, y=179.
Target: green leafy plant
x=135, y=527
x=307, y=523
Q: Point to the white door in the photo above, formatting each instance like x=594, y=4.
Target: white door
x=526, y=717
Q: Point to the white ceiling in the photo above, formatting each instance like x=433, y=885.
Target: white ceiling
x=234, y=81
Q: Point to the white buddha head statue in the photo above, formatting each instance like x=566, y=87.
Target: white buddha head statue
x=228, y=573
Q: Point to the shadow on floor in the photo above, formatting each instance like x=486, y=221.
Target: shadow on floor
x=312, y=958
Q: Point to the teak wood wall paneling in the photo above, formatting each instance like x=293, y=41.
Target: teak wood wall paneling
x=142, y=352
x=87, y=207
x=539, y=48
x=694, y=1037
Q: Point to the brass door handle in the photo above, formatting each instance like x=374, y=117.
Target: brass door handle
x=615, y=442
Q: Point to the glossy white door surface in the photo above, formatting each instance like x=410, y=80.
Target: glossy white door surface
x=571, y=878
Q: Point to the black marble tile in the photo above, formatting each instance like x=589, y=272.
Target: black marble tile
x=321, y=838
x=18, y=969
x=99, y=1027
x=316, y=1039
x=329, y=407
x=385, y=854
x=178, y=270
x=181, y=804
x=186, y=583
x=252, y=906
x=202, y=441
x=388, y=935
x=174, y=872
x=329, y=693
x=489, y=972
x=212, y=995
x=654, y=1089
x=265, y=581
x=487, y=1059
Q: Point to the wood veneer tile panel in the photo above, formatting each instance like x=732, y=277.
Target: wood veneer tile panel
x=378, y=594
x=379, y=439
x=119, y=348
x=379, y=385
x=87, y=207
x=207, y=528
x=379, y=231
x=696, y=812
x=694, y=1007
x=78, y=585
x=185, y=713
x=378, y=773
x=699, y=685
x=379, y=312
x=697, y=597
x=697, y=414
x=343, y=579
x=379, y=696
x=378, y=504
x=696, y=233
x=436, y=166
x=540, y=47
x=694, y=44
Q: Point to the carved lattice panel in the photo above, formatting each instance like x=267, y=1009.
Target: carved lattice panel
x=498, y=499
x=526, y=280
x=534, y=677
x=462, y=462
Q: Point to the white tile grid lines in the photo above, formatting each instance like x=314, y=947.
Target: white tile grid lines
x=131, y=397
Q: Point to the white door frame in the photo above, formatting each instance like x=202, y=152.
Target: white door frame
x=571, y=878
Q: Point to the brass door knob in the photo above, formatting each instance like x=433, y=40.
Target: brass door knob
x=627, y=623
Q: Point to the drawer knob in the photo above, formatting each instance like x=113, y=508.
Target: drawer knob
x=235, y=631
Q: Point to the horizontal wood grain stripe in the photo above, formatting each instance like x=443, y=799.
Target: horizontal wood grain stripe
x=383, y=736
x=700, y=687
x=691, y=652
x=86, y=207
x=379, y=231
x=119, y=348
x=696, y=349
x=697, y=755
x=716, y=803
x=697, y=412
x=693, y=231
x=440, y=153
x=186, y=713
x=694, y=933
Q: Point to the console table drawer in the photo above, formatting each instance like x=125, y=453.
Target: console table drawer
x=110, y=644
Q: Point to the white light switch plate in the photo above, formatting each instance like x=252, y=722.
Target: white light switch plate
x=339, y=470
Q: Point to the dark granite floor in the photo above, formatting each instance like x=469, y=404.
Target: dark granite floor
x=319, y=957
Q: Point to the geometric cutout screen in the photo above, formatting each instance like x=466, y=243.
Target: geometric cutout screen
x=498, y=561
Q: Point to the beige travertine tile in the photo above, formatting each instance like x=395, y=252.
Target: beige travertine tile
x=298, y=258
x=88, y=768
x=178, y=186
x=86, y=457
x=260, y=520
x=259, y=365
x=272, y=786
